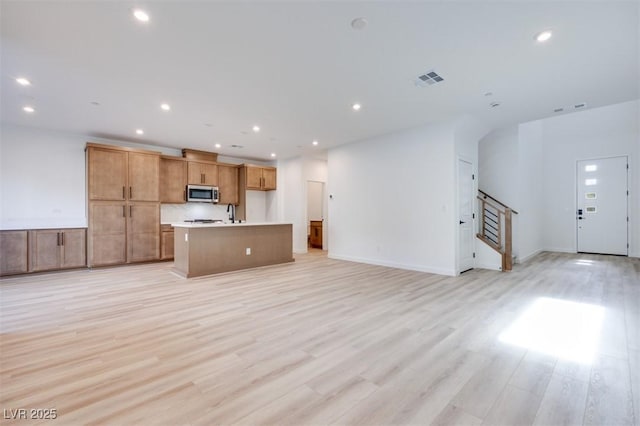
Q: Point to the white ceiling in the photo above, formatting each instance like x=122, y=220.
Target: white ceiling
x=295, y=68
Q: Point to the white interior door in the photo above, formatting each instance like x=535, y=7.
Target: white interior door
x=465, y=215
x=602, y=205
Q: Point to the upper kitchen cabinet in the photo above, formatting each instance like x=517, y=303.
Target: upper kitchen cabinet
x=173, y=180
x=107, y=173
x=228, y=184
x=259, y=177
x=200, y=173
x=119, y=174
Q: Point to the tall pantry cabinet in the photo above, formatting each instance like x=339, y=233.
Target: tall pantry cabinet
x=124, y=205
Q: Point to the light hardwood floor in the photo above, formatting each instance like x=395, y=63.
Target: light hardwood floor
x=318, y=341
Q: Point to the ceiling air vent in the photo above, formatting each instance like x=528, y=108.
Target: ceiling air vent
x=580, y=105
x=429, y=78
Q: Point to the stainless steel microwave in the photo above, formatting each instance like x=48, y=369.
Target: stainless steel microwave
x=203, y=194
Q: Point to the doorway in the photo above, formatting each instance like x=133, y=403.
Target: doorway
x=601, y=203
x=465, y=215
x=315, y=214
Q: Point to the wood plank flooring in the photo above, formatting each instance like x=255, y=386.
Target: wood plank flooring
x=316, y=342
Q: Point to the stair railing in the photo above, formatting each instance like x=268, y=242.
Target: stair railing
x=496, y=227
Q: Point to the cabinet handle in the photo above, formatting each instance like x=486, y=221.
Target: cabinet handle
x=131, y=193
x=124, y=213
x=184, y=195
x=62, y=235
x=130, y=210
x=123, y=196
x=201, y=177
x=58, y=238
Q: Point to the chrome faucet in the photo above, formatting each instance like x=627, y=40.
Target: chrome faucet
x=232, y=216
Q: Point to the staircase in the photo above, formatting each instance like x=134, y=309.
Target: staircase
x=495, y=227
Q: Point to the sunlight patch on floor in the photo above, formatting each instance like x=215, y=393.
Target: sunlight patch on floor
x=561, y=328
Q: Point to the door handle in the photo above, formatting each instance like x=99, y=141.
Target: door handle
x=579, y=217
x=461, y=222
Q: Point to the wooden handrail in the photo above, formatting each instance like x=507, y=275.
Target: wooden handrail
x=497, y=201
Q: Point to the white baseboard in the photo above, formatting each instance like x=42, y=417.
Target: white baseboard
x=419, y=268
x=487, y=266
x=530, y=256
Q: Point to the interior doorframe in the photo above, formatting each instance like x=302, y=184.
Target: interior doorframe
x=474, y=190
x=325, y=222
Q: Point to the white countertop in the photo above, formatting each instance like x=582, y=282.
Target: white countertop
x=223, y=225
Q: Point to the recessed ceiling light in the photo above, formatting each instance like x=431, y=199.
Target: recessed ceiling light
x=140, y=132
x=94, y=103
x=359, y=23
x=543, y=36
x=23, y=81
x=256, y=129
x=218, y=145
x=208, y=124
x=28, y=109
x=141, y=15
x=488, y=94
x=356, y=107
x=165, y=107
x=494, y=104
x=315, y=143
x=273, y=154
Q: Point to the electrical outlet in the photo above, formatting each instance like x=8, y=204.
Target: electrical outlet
x=248, y=251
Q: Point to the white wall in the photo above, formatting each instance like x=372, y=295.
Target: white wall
x=43, y=181
x=392, y=200
x=293, y=175
x=601, y=132
x=530, y=205
x=532, y=167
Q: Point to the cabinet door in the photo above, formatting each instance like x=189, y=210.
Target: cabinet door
x=13, y=252
x=108, y=233
x=73, y=253
x=210, y=172
x=173, y=180
x=228, y=184
x=195, y=174
x=268, y=179
x=253, y=177
x=167, y=245
x=44, y=248
x=144, y=231
x=107, y=174
x=144, y=177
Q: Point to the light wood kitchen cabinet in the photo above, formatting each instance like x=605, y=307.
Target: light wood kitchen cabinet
x=123, y=232
x=13, y=252
x=143, y=227
x=200, y=173
x=228, y=184
x=167, y=242
x=124, y=211
x=51, y=249
x=107, y=174
x=122, y=174
x=107, y=244
x=260, y=178
x=173, y=180
x=144, y=177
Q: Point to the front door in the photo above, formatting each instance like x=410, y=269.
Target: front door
x=465, y=215
x=601, y=197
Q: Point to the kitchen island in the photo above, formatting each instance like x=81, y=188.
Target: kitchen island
x=211, y=248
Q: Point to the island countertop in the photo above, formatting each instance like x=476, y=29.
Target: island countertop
x=212, y=248
x=223, y=224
